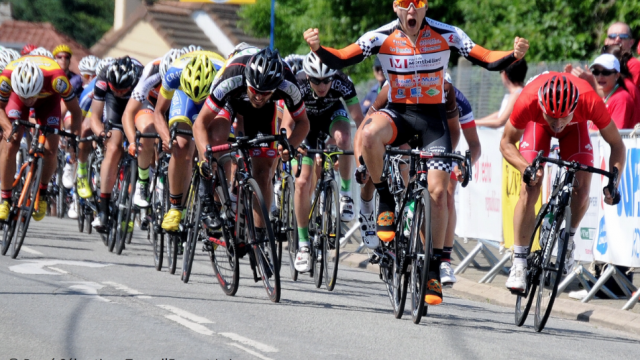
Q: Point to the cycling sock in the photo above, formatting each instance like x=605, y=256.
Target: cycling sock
x=42, y=189
x=104, y=202
x=303, y=236
x=82, y=169
x=433, y=293
x=6, y=195
x=176, y=201
x=436, y=259
x=572, y=233
x=366, y=206
x=345, y=185
x=520, y=254
x=143, y=174
x=446, y=254
x=385, y=219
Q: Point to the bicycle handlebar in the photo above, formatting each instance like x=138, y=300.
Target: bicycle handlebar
x=44, y=128
x=174, y=131
x=463, y=161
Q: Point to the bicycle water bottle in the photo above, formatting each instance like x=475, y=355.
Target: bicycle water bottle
x=546, y=228
x=408, y=216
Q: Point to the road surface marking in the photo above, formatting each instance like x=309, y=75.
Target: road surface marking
x=36, y=267
x=31, y=251
x=89, y=289
x=258, y=355
x=186, y=315
x=201, y=329
x=124, y=288
x=58, y=270
x=255, y=344
x=144, y=297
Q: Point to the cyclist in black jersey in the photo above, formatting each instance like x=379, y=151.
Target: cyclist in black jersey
x=322, y=91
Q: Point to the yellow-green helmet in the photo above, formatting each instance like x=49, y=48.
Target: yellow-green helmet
x=197, y=77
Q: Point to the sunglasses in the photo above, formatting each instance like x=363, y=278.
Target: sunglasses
x=86, y=76
x=621, y=36
x=603, y=72
x=119, y=91
x=317, y=81
x=255, y=91
x=63, y=57
x=377, y=68
x=405, y=4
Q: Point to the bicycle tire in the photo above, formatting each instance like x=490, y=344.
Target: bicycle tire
x=125, y=202
x=420, y=254
x=157, y=235
x=9, y=226
x=289, y=220
x=60, y=203
x=332, y=233
x=547, y=292
x=316, y=242
x=80, y=213
x=25, y=211
x=172, y=252
x=88, y=219
x=399, y=276
x=193, y=217
x=265, y=251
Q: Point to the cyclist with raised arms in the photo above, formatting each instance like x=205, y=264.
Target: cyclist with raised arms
x=252, y=84
x=554, y=105
x=112, y=90
x=185, y=87
x=322, y=90
x=414, y=52
x=39, y=83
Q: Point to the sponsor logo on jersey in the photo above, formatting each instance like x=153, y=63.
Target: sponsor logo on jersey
x=226, y=86
x=175, y=101
x=400, y=42
x=400, y=94
x=427, y=42
x=271, y=153
x=432, y=92
x=453, y=38
x=426, y=34
x=15, y=114
x=341, y=87
x=524, y=145
x=256, y=152
x=53, y=121
x=399, y=63
x=400, y=50
x=292, y=90
x=61, y=85
x=430, y=80
x=416, y=92
x=101, y=85
x=404, y=82
x=430, y=48
x=373, y=39
x=4, y=86
x=173, y=75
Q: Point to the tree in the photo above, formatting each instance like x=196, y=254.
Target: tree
x=83, y=20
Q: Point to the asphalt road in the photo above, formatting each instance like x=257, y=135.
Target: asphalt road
x=67, y=297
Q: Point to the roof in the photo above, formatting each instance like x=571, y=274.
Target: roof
x=174, y=22
x=16, y=34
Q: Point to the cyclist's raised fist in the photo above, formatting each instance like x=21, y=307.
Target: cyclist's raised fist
x=520, y=47
x=312, y=37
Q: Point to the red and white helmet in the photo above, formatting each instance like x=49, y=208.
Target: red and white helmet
x=27, y=79
x=558, y=97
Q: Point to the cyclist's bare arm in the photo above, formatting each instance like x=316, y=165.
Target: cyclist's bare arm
x=356, y=113
x=611, y=135
x=509, y=150
x=97, y=107
x=160, y=122
x=128, y=119
x=5, y=123
x=73, y=107
x=471, y=136
x=297, y=127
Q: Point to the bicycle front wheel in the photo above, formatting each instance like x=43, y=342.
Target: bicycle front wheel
x=550, y=272
x=125, y=201
x=172, y=243
x=194, y=210
x=420, y=240
x=25, y=208
x=289, y=222
x=60, y=203
x=264, y=248
x=331, y=234
x=224, y=257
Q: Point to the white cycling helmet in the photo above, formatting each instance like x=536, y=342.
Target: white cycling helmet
x=295, y=62
x=314, y=67
x=42, y=52
x=27, y=79
x=191, y=48
x=103, y=63
x=168, y=59
x=88, y=65
x=6, y=56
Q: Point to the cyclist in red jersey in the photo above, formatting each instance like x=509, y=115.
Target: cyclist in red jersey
x=554, y=105
x=32, y=82
x=414, y=52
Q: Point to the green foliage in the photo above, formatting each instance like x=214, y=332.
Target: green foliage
x=83, y=20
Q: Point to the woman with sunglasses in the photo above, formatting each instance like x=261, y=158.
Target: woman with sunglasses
x=620, y=104
x=414, y=53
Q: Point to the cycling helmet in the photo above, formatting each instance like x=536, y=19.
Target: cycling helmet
x=168, y=59
x=103, y=63
x=61, y=48
x=42, y=52
x=314, y=67
x=447, y=78
x=265, y=70
x=240, y=47
x=27, y=79
x=558, y=97
x=196, y=78
x=191, y=48
x=122, y=73
x=6, y=56
x=295, y=62
x=27, y=49
x=88, y=65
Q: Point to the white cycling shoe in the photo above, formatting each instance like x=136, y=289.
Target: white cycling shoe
x=68, y=176
x=447, y=277
x=517, y=280
x=303, y=260
x=368, y=231
x=346, y=208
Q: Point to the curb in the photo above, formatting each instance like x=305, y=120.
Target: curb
x=604, y=316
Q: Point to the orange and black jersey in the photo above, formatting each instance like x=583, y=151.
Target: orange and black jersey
x=415, y=71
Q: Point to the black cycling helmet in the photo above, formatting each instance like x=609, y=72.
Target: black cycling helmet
x=265, y=70
x=122, y=73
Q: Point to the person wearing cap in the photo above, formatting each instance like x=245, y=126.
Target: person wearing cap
x=62, y=54
x=606, y=70
x=375, y=89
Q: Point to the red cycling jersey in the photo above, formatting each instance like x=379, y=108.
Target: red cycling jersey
x=55, y=80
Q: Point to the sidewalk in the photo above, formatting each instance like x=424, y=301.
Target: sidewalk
x=600, y=312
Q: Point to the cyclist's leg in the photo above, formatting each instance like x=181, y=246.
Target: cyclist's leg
x=340, y=130
x=15, y=110
x=47, y=112
x=302, y=201
x=446, y=273
x=84, y=149
x=144, y=123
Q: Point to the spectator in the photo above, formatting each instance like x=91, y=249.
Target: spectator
x=619, y=33
x=62, y=54
x=624, y=57
x=606, y=69
x=373, y=93
x=513, y=80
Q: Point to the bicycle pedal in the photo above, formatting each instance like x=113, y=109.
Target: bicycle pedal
x=518, y=292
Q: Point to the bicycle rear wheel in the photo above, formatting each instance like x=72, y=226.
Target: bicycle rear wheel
x=264, y=249
x=316, y=241
x=25, y=209
x=400, y=278
x=172, y=251
x=420, y=254
x=79, y=212
x=288, y=216
x=159, y=207
x=332, y=233
x=60, y=193
x=125, y=201
x=194, y=211
x=550, y=273
x=224, y=257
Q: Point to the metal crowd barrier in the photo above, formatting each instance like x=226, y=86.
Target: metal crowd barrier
x=483, y=247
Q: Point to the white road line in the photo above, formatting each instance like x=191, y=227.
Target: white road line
x=186, y=315
x=201, y=329
x=258, y=355
x=31, y=251
x=144, y=297
x=243, y=340
x=90, y=289
x=36, y=267
x=58, y=270
x=124, y=288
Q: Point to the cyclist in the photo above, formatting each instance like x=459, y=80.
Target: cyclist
x=554, y=105
x=252, y=84
x=62, y=54
x=111, y=93
x=27, y=49
x=322, y=90
x=138, y=115
x=416, y=75
x=32, y=82
x=185, y=88
x=7, y=55
x=295, y=62
x=40, y=51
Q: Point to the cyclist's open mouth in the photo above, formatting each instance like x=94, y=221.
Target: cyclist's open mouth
x=411, y=22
